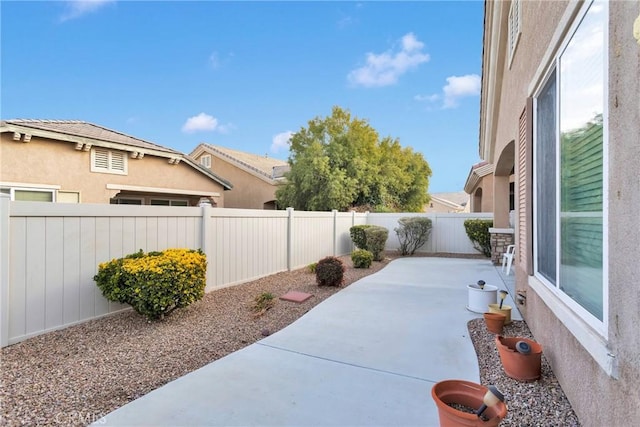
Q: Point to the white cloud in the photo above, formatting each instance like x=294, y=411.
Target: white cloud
x=201, y=123
x=281, y=141
x=385, y=68
x=214, y=60
x=459, y=87
x=78, y=8
x=428, y=98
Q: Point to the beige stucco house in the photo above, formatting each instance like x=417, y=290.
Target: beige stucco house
x=560, y=110
x=78, y=162
x=457, y=202
x=255, y=178
x=479, y=186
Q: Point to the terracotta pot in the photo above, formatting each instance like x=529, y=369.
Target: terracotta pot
x=506, y=310
x=479, y=298
x=468, y=394
x=521, y=367
x=494, y=322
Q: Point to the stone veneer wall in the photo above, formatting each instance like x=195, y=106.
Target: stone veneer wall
x=500, y=239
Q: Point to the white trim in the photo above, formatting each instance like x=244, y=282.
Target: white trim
x=205, y=160
x=502, y=230
x=595, y=344
x=25, y=185
x=161, y=190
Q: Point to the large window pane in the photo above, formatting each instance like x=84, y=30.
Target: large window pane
x=33, y=196
x=546, y=180
x=581, y=163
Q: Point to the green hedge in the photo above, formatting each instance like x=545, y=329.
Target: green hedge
x=376, y=239
x=478, y=232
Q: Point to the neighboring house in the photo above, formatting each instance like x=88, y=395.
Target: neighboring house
x=255, y=178
x=480, y=186
x=560, y=107
x=448, y=203
x=68, y=161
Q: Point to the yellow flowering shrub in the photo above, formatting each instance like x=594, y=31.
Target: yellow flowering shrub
x=156, y=283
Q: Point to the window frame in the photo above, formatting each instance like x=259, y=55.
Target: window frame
x=553, y=68
x=34, y=189
x=171, y=201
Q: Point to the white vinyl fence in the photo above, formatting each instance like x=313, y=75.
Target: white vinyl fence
x=49, y=252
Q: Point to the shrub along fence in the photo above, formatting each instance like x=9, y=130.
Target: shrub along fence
x=49, y=252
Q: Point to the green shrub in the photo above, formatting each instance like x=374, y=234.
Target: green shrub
x=413, y=233
x=262, y=303
x=361, y=258
x=376, y=239
x=156, y=283
x=312, y=267
x=358, y=236
x=478, y=232
x=330, y=272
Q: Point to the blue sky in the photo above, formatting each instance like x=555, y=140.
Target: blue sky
x=245, y=75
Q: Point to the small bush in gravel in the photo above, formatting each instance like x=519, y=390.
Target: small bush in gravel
x=312, y=267
x=361, y=258
x=156, y=283
x=263, y=302
x=330, y=272
x=358, y=236
x=376, y=239
x=413, y=233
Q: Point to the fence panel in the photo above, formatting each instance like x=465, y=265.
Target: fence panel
x=53, y=250
x=447, y=234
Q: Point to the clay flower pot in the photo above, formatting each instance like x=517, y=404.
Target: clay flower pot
x=467, y=394
x=494, y=322
x=506, y=310
x=517, y=365
x=479, y=297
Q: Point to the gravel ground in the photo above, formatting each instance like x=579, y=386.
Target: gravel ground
x=536, y=403
x=76, y=375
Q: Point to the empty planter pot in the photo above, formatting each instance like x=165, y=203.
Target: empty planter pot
x=480, y=298
x=494, y=322
x=467, y=394
x=521, y=357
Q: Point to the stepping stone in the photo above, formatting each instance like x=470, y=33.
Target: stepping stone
x=296, y=296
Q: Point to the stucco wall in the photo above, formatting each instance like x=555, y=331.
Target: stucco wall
x=248, y=192
x=580, y=375
x=51, y=162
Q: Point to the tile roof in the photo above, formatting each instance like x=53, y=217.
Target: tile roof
x=267, y=166
x=87, y=130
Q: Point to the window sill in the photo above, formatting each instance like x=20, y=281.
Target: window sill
x=592, y=342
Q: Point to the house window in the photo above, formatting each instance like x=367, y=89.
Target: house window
x=108, y=161
x=570, y=179
x=29, y=194
x=514, y=28
x=205, y=160
x=125, y=201
x=68, y=197
x=165, y=202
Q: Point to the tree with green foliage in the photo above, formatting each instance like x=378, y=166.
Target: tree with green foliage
x=339, y=162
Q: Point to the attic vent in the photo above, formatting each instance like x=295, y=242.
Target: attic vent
x=514, y=28
x=108, y=161
x=205, y=160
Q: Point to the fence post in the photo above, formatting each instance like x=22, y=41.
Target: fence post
x=335, y=231
x=289, y=239
x=205, y=238
x=4, y=269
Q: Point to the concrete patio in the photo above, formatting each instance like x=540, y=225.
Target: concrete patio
x=368, y=355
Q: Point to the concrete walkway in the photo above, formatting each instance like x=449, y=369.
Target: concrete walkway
x=367, y=356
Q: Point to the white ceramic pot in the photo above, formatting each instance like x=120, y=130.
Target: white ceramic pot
x=479, y=299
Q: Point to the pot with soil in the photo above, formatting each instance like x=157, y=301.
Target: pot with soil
x=480, y=296
x=494, y=322
x=459, y=403
x=505, y=310
x=521, y=357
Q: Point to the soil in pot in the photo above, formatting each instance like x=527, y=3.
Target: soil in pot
x=506, y=310
x=452, y=394
x=494, y=322
x=519, y=366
